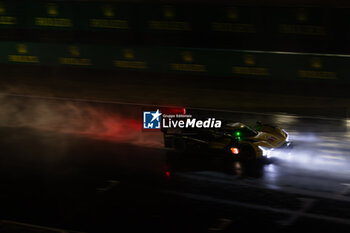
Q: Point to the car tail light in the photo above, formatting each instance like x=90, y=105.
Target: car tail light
x=234, y=150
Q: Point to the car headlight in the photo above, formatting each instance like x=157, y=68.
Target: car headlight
x=266, y=152
x=287, y=135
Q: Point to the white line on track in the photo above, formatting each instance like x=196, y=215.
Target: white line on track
x=266, y=186
x=259, y=207
x=110, y=184
x=307, y=204
x=345, y=190
x=224, y=223
x=294, y=53
x=37, y=227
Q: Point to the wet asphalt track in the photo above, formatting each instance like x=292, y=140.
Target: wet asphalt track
x=57, y=170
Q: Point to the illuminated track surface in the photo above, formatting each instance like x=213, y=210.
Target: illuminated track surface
x=88, y=167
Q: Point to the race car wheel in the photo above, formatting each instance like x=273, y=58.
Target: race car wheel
x=179, y=144
x=247, y=152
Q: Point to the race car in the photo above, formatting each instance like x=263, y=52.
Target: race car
x=234, y=139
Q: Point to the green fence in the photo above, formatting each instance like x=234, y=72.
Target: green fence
x=175, y=18
x=231, y=63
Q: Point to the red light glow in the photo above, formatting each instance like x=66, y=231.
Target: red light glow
x=92, y=122
x=167, y=173
x=234, y=150
x=173, y=111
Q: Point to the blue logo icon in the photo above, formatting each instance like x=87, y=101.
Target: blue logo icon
x=151, y=120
